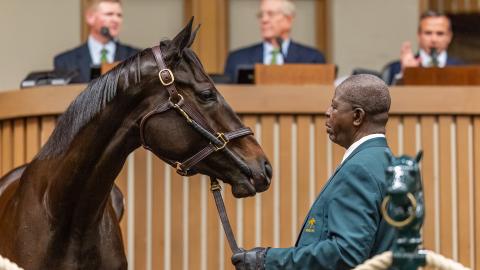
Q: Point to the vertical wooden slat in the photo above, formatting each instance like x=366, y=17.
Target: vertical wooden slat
x=176, y=221
x=449, y=6
x=33, y=138
x=433, y=5
x=1, y=150
x=285, y=179
x=474, y=7
x=409, y=135
x=445, y=156
x=267, y=141
x=423, y=6
x=463, y=194
x=18, y=142
x=476, y=196
x=249, y=203
x=427, y=124
x=231, y=206
x=47, y=126
x=158, y=226
x=7, y=149
x=303, y=167
x=321, y=171
x=140, y=209
x=392, y=134
x=194, y=221
x=337, y=152
x=322, y=30
x=213, y=229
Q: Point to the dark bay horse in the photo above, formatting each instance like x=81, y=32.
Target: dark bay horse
x=59, y=215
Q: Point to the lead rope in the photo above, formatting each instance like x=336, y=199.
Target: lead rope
x=222, y=212
x=6, y=264
x=436, y=261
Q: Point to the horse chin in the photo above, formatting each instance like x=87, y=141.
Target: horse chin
x=243, y=189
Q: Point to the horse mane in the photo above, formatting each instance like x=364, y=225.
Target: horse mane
x=89, y=103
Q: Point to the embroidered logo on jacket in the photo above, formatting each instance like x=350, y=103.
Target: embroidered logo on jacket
x=310, y=225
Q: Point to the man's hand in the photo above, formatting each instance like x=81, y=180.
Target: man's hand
x=407, y=58
x=253, y=259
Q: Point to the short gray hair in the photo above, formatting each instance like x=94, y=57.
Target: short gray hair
x=288, y=7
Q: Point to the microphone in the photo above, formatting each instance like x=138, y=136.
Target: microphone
x=104, y=31
x=279, y=41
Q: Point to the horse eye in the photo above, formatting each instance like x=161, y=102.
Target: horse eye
x=207, y=95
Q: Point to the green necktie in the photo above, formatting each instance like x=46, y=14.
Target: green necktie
x=274, y=60
x=103, y=56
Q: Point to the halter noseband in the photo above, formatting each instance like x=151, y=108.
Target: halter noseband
x=218, y=141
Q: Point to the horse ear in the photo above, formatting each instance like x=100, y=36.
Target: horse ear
x=181, y=40
x=192, y=36
x=419, y=156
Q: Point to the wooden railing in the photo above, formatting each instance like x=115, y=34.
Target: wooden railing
x=171, y=222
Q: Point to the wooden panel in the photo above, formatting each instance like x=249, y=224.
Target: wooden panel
x=18, y=142
x=32, y=138
x=445, y=156
x=268, y=210
x=321, y=171
x=322, y=27
x=463, y=190
x=176, y=221
x=409, y=135
x=7, y=146
x=194, y=221
x=249, y=208
x=295, y=74
x=392, y=134
x=47, y=126
x=140, y=208
x=158, y=215
x=427, y=163
x=285, y=179
x=303, y=167
x=466, y=75
x=476, y=195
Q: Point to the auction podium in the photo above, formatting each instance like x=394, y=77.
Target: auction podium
x=295, y=74
x=451, y=75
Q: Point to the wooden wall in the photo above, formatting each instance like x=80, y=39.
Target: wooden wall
x=171, y=222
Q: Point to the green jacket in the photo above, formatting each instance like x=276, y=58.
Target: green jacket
x=344, y=226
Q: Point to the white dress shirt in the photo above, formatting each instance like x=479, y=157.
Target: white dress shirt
x=356, y=144
x=267, y=52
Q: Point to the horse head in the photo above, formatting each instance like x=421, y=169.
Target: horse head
x=404, y=192
x=185, y=121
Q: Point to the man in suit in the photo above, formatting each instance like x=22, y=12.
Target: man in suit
x=434, y=35
x=344, y=226
x=276, y=19
x=100, y=46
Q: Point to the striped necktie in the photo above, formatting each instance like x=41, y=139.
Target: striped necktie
x=274, y=53
x=103, y=56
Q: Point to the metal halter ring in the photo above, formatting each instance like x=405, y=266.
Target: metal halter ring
x=224, y=140
x=169, y=73
x=401, y=223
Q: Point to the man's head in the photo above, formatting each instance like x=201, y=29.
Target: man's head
x=434, y=31
x=276, y=18
x=359, y=107
x=104, y=13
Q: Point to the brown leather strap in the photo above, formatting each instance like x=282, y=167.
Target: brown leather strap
x=165, y=75
x=222, y=212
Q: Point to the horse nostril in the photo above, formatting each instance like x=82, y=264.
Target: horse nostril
x=268, y=169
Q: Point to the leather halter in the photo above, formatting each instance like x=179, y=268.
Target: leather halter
x=218, y=141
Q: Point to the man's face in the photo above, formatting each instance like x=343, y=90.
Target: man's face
x=273, y=23
x=107, y=14
x=434, y=33
x=339, y=122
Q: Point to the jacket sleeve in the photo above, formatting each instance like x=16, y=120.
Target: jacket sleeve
x=353, y=218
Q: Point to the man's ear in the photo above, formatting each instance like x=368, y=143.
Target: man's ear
x=90, y=17
x=358, y=116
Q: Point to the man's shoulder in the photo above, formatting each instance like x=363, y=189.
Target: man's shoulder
x=72, y=52
x=128, y=48
x=246, y=50
x=452, y=61
x=303, y=53
x=303, y=47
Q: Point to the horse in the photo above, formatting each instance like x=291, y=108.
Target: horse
x=58, y=215
x=403, y=206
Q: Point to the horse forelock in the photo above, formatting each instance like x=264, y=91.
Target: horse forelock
x=88, y=104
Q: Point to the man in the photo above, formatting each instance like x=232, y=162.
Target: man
x=100, y=47
x=344, y=226
x=276, y=19
x=434, y=36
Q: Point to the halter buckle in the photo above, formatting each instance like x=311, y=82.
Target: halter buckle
x=222, y=138
x=214, y=185
x=180, y=170
x=169, y=76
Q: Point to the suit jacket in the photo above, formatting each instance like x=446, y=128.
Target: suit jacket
x=344, y=226
x=247, y=57
x=79, y=60
x=394, y=68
